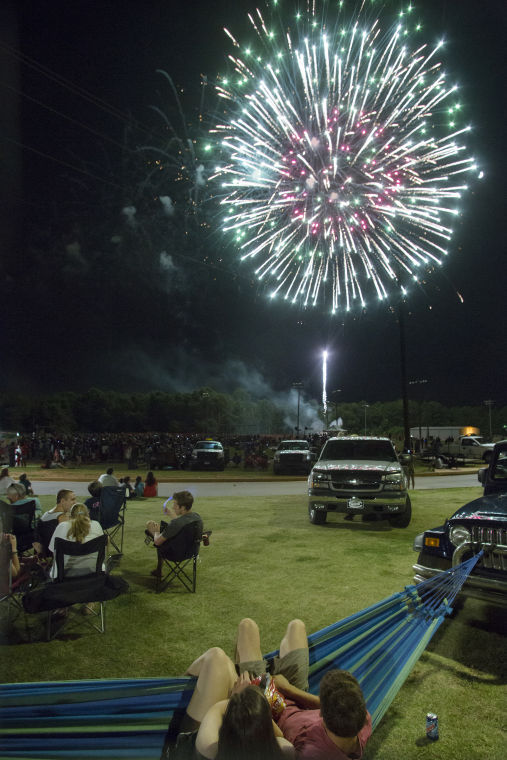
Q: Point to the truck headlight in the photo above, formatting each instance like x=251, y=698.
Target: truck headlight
x=320, y=479
x=394, y=480
x=277, y=457
x=459, y=535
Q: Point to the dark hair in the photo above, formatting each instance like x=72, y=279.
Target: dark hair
x=184, y=499
x=109, y=471
x=247, y=730
x=95, y=488
x=342, y=704
x=150, y=479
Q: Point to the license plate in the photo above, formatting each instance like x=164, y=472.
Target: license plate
x=355, y=504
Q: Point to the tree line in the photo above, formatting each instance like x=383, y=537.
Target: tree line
x=210, y=412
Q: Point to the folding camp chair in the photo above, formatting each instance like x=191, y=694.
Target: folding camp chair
x=10, y=590
x=43, y=533
x=5, y=517
x=23, y=524
x=113, y=501
x=180, y=556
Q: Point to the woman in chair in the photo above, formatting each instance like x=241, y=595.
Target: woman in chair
x=81, y=529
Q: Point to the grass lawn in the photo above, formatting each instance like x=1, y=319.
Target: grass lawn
x=268, y=562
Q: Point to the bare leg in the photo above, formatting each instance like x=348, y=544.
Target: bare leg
x=216, y=677
x=295, y=637
x=248, y=642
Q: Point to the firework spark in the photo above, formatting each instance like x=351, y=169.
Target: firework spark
x=341, y=156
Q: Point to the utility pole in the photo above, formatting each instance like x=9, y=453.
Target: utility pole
x=365, y=408
x=403, y=365
x=489, y=403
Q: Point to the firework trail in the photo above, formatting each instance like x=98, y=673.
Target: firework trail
x=342, y=161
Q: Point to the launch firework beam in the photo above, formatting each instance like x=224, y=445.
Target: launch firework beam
x=342, y=162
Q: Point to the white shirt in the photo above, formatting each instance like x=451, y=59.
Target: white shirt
x=76, y=565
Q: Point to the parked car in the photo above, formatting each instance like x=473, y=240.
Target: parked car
x=292, y=456
x=207, y=455
x=359, y=475
x=480, y=524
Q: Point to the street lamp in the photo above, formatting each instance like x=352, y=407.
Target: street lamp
x=365, y=408
x=299, y=387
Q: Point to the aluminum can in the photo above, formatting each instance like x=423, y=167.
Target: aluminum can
x=432, y=726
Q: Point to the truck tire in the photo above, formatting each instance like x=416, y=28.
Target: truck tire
x=439, y=463
x=317, y=516
x=402, y=520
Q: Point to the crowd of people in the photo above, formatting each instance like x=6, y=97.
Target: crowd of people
x=154, y=450
x=242, y=708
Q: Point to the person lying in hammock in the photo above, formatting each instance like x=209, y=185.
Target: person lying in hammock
x=334, y=726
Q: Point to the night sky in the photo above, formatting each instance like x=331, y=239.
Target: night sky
x=78, y=310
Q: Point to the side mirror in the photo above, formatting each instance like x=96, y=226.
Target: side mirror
x=481, y=475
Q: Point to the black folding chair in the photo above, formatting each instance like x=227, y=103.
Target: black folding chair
x=10, y=589
x=68, y=589
x=6, y=516
x=113, y=502
x=43, y=534
x=23, y=524
x=180, y=556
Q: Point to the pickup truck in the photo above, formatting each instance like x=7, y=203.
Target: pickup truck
x=469, y=447
x=358, y=475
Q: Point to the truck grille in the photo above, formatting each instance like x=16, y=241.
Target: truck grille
x=356, y=480
x=208, y=456
x=494, y=542
x=291, y=458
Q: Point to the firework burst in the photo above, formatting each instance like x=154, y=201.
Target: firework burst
x=341, y=155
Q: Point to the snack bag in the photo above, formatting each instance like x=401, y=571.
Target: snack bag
x=275, y=699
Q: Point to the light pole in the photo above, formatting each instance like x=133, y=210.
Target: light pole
x=335, y=404
x=299, y=387
x=489, y=403
x=365, y=408
x=419, y=382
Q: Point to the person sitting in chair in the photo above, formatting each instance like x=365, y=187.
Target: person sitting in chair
x=81, y=529
x=165, y=535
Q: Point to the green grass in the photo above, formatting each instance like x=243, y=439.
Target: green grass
x=268, y=562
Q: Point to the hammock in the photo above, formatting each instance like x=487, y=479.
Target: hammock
x=128, y=718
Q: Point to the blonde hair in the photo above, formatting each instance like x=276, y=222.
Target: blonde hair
x=80, y=522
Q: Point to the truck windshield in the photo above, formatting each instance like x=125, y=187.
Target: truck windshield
x=208, y=445
x=366, y=450
x=293, y=445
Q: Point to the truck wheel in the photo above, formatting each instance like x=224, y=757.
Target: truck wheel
x=317, y=516
x=439, y=463
x=402, y=520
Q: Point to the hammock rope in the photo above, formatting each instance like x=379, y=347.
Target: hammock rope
x=128, y=718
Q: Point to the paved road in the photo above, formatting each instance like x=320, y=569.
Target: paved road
x=251, y=488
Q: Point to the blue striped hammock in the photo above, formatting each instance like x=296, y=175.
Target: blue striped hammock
x=128, y=718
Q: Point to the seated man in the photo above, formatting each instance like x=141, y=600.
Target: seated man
x=65, y=499
x=332, y=726
x=16, y=495
x=107, y=478
x=165, y=535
